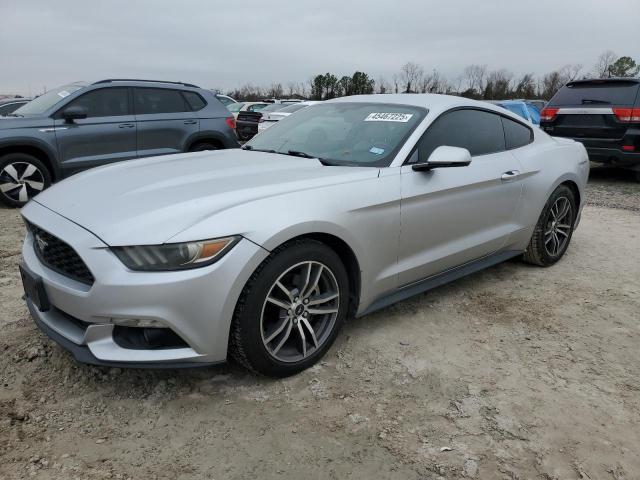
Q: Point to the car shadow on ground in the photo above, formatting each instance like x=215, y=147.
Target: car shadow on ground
x=611, y=174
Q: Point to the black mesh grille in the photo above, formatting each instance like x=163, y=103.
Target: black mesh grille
x=59, y=256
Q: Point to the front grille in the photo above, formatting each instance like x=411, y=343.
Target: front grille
x=59, y=256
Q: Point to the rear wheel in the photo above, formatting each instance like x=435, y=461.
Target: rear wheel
x=291, y=310
x=22, y=177
x=554, y=229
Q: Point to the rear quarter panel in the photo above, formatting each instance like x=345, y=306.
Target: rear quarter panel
x=546, y=163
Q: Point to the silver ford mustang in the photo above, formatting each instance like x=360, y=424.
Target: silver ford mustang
x=262, y=253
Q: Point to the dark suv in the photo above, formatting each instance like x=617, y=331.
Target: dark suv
x=603, y=114
x=79, y=126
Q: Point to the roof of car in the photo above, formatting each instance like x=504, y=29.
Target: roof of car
x=136, y=81
x=431, y=101
x=595, y=81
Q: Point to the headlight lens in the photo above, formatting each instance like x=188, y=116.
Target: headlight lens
x=174, y=256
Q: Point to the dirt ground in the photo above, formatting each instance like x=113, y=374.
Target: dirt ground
x=513, y=373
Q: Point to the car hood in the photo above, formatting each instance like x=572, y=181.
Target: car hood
x=7, y=124
x=149, y=201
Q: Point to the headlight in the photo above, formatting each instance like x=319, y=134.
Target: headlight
x=174, y=256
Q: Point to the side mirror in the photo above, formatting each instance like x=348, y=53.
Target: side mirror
x=74, y=113
x=445, y=157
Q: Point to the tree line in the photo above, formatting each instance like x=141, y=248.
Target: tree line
x=475, y=81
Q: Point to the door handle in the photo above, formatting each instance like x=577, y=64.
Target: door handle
x=510, y=175
x=190, y=122
x=126, y=125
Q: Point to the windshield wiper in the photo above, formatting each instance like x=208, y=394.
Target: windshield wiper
x=14, y=115
x=297, y=153
x=586, y=101
x=251, y=149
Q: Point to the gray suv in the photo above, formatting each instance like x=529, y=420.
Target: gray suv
x=79, y=126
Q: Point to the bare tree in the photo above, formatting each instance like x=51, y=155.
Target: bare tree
x=475, y=76
x=383, y=86
x=275, y=90
x=434, y=83
x=570, y=72
x=498, y=85
x=603, y=65
x=396, y=83
x=410, y=75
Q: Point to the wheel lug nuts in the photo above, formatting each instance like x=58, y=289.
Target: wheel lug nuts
x=296, y=299
x=304, y=314
x=306, y=300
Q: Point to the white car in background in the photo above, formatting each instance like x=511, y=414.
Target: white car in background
x=269, y=119
x=238, y=107
x=226, y=100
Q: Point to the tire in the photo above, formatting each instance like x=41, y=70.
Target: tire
x=265, y=337
x=22, y=177
x=547, y=248
x=201, y=147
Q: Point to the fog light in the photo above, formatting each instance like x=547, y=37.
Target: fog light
x=136, y=322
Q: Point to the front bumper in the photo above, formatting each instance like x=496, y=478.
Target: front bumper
x=197, y=305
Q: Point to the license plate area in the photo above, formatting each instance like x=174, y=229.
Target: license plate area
x=34, y=289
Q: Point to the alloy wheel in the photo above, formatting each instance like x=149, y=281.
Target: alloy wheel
x=558, y=227
x=19, y=181
x=300, y=311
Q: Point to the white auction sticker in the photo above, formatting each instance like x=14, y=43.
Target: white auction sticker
x=389, y=117
x=63, y=94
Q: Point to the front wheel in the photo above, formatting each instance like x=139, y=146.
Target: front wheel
x=203, y=147
x=554, y=229
x=291, y=310
x=22, y=177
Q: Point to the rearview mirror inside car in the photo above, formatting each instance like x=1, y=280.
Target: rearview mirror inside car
x=445, y=157
x=74, y=113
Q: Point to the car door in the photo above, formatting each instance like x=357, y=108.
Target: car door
x=108, y=134
x=165, y=121
x=451, y=216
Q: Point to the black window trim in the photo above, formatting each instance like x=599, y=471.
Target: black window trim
x=56, y=115
x=184, y=99
x=204, y=101
x=482, y=109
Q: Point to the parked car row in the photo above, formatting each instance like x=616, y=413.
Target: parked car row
x=80, y=125
x=270, y=118
x=249, y=119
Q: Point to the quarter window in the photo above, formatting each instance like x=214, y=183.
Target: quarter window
x=478, y=131
x=195, y=101
x=149, y=101
x=106, y=102
x=516, y=135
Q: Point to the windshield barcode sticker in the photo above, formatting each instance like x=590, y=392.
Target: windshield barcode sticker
x=389, y=117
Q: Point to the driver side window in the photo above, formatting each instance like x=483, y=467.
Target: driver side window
x=106, y=102
x=478, y=131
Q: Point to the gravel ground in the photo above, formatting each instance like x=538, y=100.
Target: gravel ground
x=513, y=373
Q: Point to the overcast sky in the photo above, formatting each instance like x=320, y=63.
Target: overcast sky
x=225, y=44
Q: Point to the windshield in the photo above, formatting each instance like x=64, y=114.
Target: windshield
x=44, y=102
x=293, y=108
x=354, y=134
x=235, y=107
x=272, y=107
x=596, y=93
